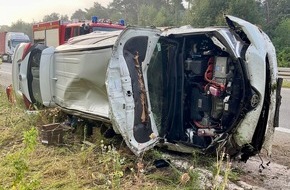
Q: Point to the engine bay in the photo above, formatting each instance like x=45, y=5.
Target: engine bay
x=202, y=89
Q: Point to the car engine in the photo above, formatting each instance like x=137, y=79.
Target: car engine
x=211, y=93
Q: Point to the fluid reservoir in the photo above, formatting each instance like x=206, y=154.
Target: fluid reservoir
x=220, y=70
x=188, y=62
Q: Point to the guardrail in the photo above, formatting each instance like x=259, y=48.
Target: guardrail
x=284, y=73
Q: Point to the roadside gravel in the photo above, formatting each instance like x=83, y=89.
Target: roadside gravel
x=275, y=175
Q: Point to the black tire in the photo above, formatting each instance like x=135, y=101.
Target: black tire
x=9, y=59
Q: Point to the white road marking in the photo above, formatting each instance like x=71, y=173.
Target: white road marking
x=281, y=129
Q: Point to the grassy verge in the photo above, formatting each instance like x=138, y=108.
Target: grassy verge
x=286, y=84
x=26, y=164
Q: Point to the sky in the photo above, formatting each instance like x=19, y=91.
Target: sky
x=34, y=10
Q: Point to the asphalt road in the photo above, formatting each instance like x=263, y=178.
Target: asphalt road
x=5, y=74
x=5, y=80
x=285, y=109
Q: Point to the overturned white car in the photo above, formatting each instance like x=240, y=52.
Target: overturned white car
x=180, y=88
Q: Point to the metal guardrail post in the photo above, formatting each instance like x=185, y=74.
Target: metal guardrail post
x=284, y=73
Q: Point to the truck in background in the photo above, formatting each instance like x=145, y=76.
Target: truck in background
x=55, y=33
x=8, y=42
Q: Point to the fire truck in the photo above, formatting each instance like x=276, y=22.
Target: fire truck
x=55, y=33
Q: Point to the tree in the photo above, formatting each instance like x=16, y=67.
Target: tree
x=4, y=28
x=283, y=57
x=54, y=16
x=162, y=18
x=147, y=15
x=64, y=17
x=277, y=25
x=51, y=17
x=21, y=26
x=78, y=14
x=134, y=11
x=275, y=11
x=128, y=9
x=249, y=10
x=207, y=12
x=177, y=11
x=97, y=10
x=210, y=12
x=189, y=3
x=281, y=35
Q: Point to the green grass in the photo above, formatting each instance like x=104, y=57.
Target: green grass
x=286, y=84
x=26, y=164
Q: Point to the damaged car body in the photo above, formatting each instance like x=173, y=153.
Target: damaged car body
x=181, y=88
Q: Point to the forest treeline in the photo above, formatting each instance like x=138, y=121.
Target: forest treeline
x=273, y=16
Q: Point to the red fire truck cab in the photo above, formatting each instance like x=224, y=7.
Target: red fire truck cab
x=55, y=33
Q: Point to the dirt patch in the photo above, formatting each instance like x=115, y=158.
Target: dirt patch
x=269, y=172
x=272, y=176
x=281, y=148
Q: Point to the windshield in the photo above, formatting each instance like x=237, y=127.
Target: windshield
x=16, y=42
x=155, y=85
x=160, y=83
